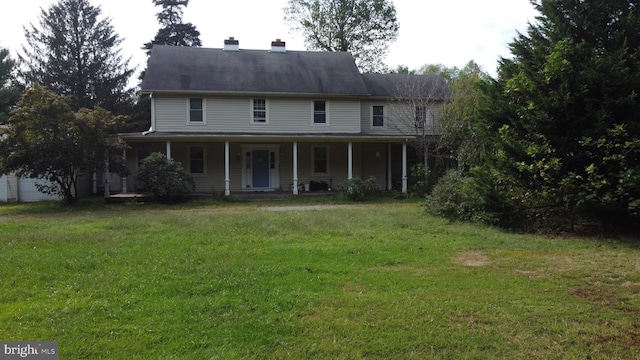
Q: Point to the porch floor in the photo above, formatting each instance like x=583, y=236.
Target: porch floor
x=243, y=195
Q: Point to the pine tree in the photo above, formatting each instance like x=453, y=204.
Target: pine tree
x=9, y=94
x=173, y=31
x=564, y=113
x=74, y=52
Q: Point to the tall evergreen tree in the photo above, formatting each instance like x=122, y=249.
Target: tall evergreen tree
x=172, y=30
x=75, y=53
x=9, y=93
x=564, y=113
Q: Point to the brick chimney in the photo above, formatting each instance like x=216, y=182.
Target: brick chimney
x=278, y=46
x=231, y=44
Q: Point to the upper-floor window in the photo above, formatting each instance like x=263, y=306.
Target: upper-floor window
x=196, y=159
x=196, y=110
x=319, y=112
x=421, y=116
x=259, y=111
x=377, y=116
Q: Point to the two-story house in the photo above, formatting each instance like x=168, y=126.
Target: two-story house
x=262, y=120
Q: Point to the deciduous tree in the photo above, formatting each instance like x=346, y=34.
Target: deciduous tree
x=363, y=27
x=414, y=109
x=46, y=139
x=459, y=115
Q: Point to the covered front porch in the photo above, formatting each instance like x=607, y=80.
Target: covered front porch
x=274, y=164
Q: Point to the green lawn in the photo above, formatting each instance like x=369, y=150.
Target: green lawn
x=377, y=281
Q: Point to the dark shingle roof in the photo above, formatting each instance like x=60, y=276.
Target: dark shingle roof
x=403, y=86
x=194, y=69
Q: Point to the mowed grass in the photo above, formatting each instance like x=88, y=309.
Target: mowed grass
x=377, y=281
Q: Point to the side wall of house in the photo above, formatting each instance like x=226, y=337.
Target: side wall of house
x=399, y=118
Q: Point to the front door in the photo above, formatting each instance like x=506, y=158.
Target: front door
x=261, y=168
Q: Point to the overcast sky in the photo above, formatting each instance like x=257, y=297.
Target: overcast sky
x=450, y=32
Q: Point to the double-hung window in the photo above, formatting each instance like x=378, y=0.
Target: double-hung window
x=196, y=111
x=320, y=160
x=319, y=112
x=421, y=116
x=196, y=159
x=377, y=116
x=259, y=111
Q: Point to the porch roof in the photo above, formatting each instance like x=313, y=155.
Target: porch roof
x=262, y=137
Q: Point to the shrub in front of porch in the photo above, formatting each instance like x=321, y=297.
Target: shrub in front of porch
x=165, y=179
x=357, y=189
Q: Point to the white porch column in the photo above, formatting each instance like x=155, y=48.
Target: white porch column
x=124, y=179
x=94, y=180
x=295, y=168
x=389, y=168
x=404, y=167
x=168, y=149
x=350, y=161
x=227, y=180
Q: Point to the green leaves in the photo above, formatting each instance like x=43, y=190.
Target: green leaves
x=164, y=178
x=363, y=27
x=173, y=31
x=74, y=53
x=9, y=94
x=45, y=138
x=563, y=114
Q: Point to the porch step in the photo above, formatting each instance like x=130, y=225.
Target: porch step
x=128, y=197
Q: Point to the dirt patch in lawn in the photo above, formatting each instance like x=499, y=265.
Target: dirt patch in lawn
x=472, y=258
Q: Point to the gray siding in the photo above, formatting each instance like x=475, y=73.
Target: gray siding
x=233, y=115
x=399, y=118
x=171, y=114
